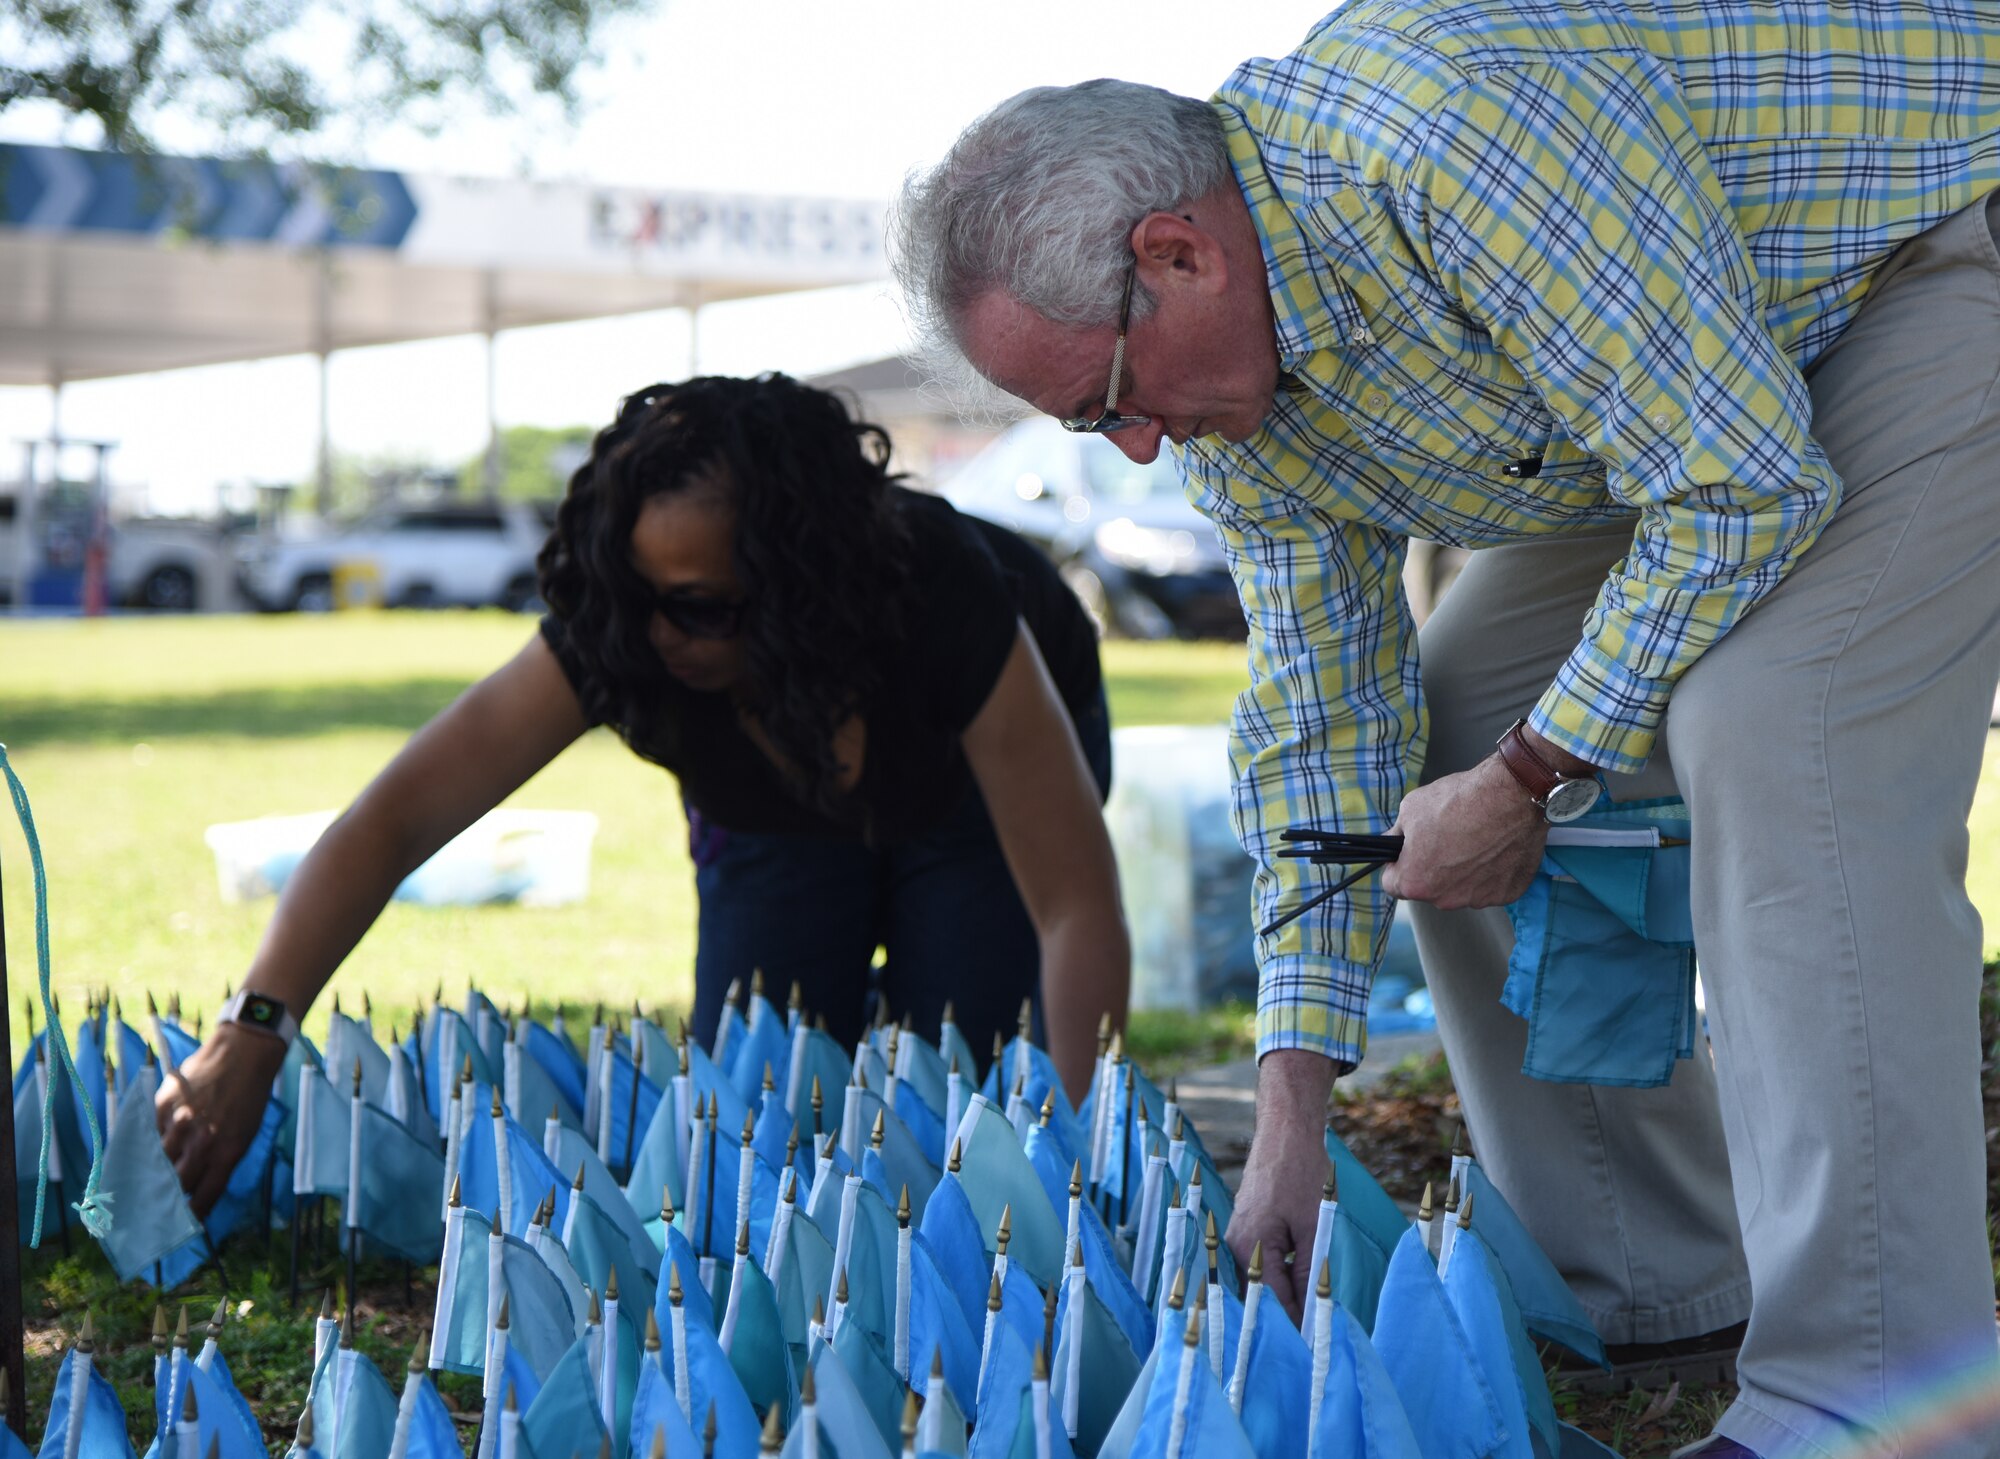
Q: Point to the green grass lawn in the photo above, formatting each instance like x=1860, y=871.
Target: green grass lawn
x=134, y=735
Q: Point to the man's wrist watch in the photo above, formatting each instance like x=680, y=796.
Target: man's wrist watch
x=1562, y=798
x=262, y=1013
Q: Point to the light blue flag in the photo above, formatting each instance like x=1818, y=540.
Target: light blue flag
x=712, y=1381
x=1093, y=1367
x=320, y=1134
x=1277, y=1377
x=596, y=1244
x=765, y=1042
x=148, y=1216
x=448, y=1043
x=926, y=1122
x=874, y=1375
x=995, y=1174
x=1023, y=1058
x=432, y=1434
x=1004, y=1379
x=518, y=1376
x=99, y=1413
x=531, y=1095
x=1021, y=1303
x=394, y=1164
x=220, y=1422
x=1548, y=1308
x=681, y=1254
x=1214, y=1190
x=530, y=1173
x=1186, y=1397
x=226, y=1397
x=729, y=1031
x=901, y=1154
x=870, y=1254
x=1359, y=1268
x=1052, y=1164
x=1111, y=1283
x=805, y=1271
x=631, y=1109
x=1368, y=1207
x=654, y=1410
x=815, y=1055
x=564, y=1418
x=1124, y=1431
x=558, y=1060
x=1360, y=1414
x=952, y=1230
x=710, y=1084
x=354, y=1412
x=1477, y=1290
x=459, y=1322
x=540, y=1320
x=656, y=1166
x=572, y=1153
x=937, y=1322
x=241, y=1201
x=924, y=1072
x=1425, y=1351
x=757, y=1349
x=11, y=1446
x=348, y=1039
x=840, y=1411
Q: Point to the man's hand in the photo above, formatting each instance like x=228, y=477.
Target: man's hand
x=1469, y=840
x=1278, y=1202
x=208, y=1110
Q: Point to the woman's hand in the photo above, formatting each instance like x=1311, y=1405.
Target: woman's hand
x=209, y=1109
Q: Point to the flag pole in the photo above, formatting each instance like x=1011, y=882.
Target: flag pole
x=12, y=1338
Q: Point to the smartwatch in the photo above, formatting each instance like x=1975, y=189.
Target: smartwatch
x=265, y=1014
x=1561, y=798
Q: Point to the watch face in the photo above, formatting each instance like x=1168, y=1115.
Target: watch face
x=1571, y=799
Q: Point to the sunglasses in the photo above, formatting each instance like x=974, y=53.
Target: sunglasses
x=1108, y=420
x=701, y=617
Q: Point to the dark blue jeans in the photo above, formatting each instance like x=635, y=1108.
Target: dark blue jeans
x=815, y=908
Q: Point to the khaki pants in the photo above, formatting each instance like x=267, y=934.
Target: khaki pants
x=1832, y=1161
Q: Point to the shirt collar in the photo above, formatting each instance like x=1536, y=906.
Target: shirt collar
x=1312, y=309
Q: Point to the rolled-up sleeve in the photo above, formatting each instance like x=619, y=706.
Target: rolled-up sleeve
x=1571, y=207
x=1327, y=734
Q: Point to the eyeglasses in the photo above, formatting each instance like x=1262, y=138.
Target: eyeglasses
x=1108, y=419
x=700, y=617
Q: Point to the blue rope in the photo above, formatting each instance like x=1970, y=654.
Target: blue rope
x=58, y=1039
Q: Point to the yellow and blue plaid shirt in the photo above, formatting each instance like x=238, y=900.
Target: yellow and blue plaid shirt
x=1601, y=237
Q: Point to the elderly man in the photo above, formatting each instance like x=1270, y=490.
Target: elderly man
x=1689, y=314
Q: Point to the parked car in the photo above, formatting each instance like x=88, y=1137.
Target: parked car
x=166, y=564
x=1124, y=536
x=426, y=556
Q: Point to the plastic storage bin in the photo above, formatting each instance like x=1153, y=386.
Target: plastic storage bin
x=534, y=858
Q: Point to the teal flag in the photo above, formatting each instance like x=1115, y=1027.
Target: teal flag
x=1548, y=1307
x=654, y=1412
x=84, y=1400
x=757, y=1350
x=994, y=1174
x=395, y=1163
x=564, y=1417
x=148, y=1216
x=1093, y=1368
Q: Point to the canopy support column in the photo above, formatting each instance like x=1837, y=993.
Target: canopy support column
x=323, y=350
x=490, y=327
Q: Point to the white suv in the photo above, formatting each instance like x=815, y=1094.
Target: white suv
x=420, y=556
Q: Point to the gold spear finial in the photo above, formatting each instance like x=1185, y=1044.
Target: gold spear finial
x=221, y=1317
x=159, y=1332
x=948, y=1016
x=796, y=999
x=1048, y=1107
x=181, y=1327
x=792, y=1144
x=773, y=1439
x=652, y=1330
x=577, y=1184
x=1180, y=1127
x=367, y=1008
x=819, y=1309
x=999, y=1046
x=501, y=1319
x=667, y=1204
x=808, y=1389
x=1193, y=1337
x=910, y=1419
x=420, y=1353
x=840, y=1288
x=756, y=982
x=875, y=1134
x=190, y=1410
x=659, y=1449
x=1103, y=1032
x=495, y=1110
x=1177, y=1299
x=1465, y=1211
x=1049, y=1315
x=749, y=1128
x=1173, y=1194
x=465, y=1071
x=1458, y=1146
x=1006, y=1231
x=903, y=1206
x=1325, y=1288
x=734, y=993
x=1257, y=1262
x=743, y=1239
x=347, y=1327
x=1076, y=1252
x=611, y=1284
x=1075, y=1179
x=937, y=1362
x=708, y=1434
x=818, y=1101
x=86, y=1340
x=1424, y=1208
x=594, y=1317
x=305, y=1430
x=1451, y=1197
x=683, y=1057
x=819, y=1023
x=674, y=1293
x=336, y=1002
x=1041, y=1369
x=993, y=1293
x=701, y=1107
x=770, y=1084
x=1025, y=1020
x=1212, y=1242
x=952, y=1164
x=1329, y=1188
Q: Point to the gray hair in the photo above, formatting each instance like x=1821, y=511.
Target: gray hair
x=1038, y=199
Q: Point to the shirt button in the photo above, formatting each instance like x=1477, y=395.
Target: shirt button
x=1661, y=420
x=1362, y=336
x=1376, y=401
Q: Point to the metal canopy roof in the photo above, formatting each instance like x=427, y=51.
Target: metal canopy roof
x=111, y=265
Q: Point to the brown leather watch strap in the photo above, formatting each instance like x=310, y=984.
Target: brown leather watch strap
x=1535, y=774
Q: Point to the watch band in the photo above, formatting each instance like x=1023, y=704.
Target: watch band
x=1536, y=775
x=264, y=1014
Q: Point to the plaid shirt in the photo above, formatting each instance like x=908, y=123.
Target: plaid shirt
x=1597, y=242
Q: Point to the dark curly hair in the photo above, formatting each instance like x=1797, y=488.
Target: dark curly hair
x=821, y=551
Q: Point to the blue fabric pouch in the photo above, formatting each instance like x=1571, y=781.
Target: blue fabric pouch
x=1603, y=965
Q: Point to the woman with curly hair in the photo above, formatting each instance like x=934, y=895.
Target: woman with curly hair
x=887, y=721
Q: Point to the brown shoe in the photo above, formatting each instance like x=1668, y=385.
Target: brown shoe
x=1709, y=1359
